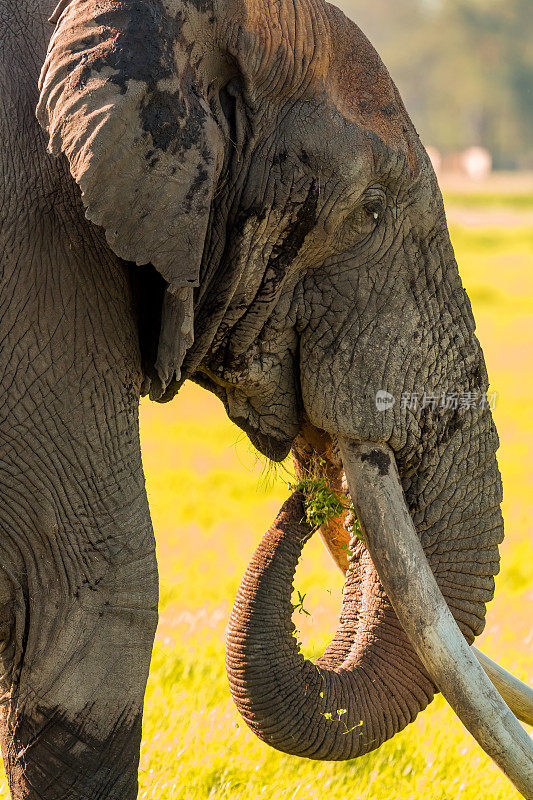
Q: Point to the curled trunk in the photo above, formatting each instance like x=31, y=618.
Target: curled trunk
x=368, y=685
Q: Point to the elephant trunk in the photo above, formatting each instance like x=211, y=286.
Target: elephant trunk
x=371, y=681
x=368, y=685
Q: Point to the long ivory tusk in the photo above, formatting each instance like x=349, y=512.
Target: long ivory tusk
x=517, y=694
x=407, y=578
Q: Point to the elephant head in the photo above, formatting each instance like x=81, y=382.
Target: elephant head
x=256, y=162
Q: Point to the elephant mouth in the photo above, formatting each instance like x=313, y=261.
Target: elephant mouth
x=365, y=474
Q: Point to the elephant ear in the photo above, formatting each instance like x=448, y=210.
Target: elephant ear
x=124, y=98
x=128, y=93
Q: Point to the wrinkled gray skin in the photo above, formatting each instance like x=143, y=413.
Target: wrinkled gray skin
x=241, y=157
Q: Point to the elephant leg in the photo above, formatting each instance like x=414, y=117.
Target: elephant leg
x=78, y=575
x=78, y=595
x=78, y=612
x=73, y=706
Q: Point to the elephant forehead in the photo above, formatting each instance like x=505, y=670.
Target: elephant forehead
x=363, y=89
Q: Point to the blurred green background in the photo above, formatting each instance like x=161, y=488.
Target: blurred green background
x=463, y=67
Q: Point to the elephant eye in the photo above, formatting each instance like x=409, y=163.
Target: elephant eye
x=374, y=209
x=365, y=218
x=374, y=202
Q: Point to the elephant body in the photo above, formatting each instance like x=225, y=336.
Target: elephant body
x=256, y=214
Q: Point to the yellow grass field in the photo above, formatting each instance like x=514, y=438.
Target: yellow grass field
x=211, y=501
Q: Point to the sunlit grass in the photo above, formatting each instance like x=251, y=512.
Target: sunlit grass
x=515, y=201
x=211, y=501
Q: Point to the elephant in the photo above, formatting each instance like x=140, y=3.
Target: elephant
x=231, y=192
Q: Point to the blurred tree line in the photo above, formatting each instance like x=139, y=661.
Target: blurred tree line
x=463, y=67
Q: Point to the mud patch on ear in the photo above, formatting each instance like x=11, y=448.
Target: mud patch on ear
x=172, y=126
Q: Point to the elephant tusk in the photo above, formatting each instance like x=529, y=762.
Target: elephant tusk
x=517, y=694
x=407, y=578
